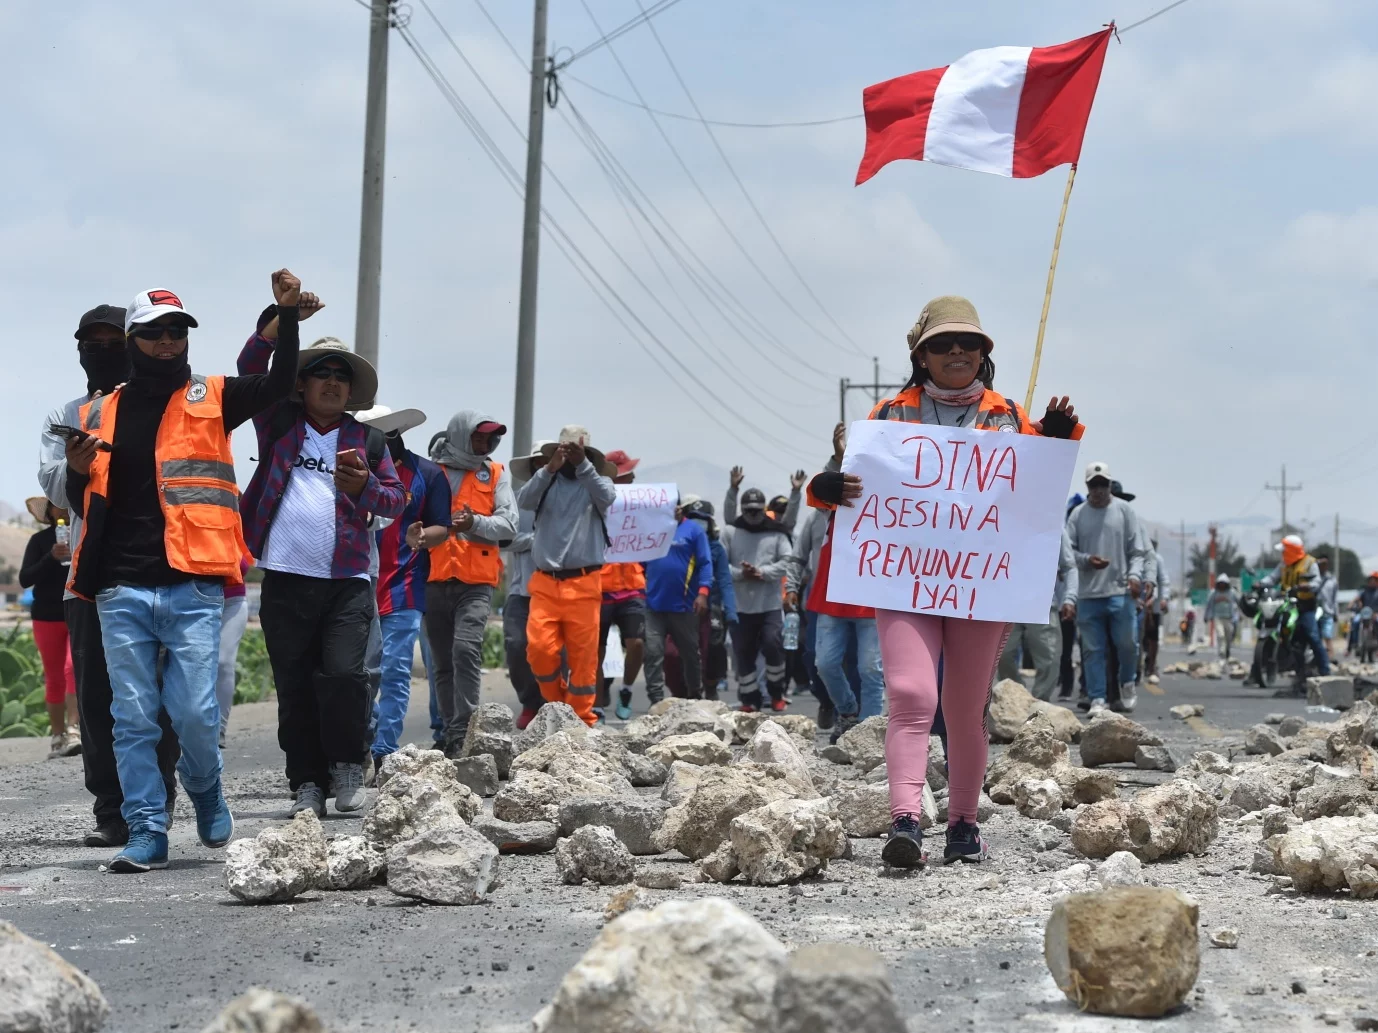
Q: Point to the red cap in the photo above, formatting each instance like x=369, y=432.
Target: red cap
x=625, y=464
x=490, y=427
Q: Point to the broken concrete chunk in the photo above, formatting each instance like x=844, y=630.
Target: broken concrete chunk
x=1183, y=711
x=1331, y=854
x=40, y=992
x=701, y=748
x=721, y=865
x=1155, y=758
x=1261, y=739
x=686, y=965
x=1176, y=818
x=406, y=805
x=1128, y=951
x=525, y=837
x=787, y=840
x=1226, y=938
x=353, y=863
x=635, y=820
x=1289, y=725
x=446, y=864
x=266, y=1011
x=865, y=743
x=594, y=854
x=550, y=719
x=1334, y=691
x=696, y=827
x=773, y=745
x=479, y=773
x=281, y=862
x=1112, y=739
x=829, y=987
x=658, y=877
x=1120, y=869
x=1038, y=798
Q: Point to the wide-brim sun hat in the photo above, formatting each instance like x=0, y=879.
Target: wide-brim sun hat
x=524, y=467
x=949, y=314
x=572, y=433
x=391, y=421
x=363, y=390
x=37, y=506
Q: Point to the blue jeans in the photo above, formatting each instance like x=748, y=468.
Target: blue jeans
x=399, y=631
x=135, y=623
x=1101, y=621
x=835, y=634
x=1308, y=632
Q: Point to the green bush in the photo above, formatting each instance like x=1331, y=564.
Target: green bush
x=22, y=713
x=494, y=652
x=253, y=673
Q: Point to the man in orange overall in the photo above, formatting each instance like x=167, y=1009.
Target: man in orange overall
x=569, y=498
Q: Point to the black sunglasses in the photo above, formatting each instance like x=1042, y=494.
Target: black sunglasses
x=155, y=333
x=343, y=374
x=942, y=344
x=90, y=347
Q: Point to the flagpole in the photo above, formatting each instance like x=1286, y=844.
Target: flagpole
x=1048, y=294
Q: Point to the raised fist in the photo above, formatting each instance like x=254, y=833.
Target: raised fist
x=286, y=288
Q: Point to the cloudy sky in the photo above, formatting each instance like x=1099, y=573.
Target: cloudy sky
x=1215, y=302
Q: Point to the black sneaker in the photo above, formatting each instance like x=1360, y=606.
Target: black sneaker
x=845, y=723
x=827, y=716
x=904, y=848
x=964, y=843
x=1083, y=702
x=110, y=833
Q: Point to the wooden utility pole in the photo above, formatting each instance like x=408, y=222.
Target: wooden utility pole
x=368, y=302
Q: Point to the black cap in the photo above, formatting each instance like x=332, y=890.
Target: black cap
x=1117, y=489
x=779, y=502
x=700, y=509
x=753, y=498
x=107, y=315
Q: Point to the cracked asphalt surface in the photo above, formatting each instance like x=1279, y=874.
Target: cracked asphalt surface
x=964, y=944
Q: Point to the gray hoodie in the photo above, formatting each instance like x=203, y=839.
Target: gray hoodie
x=569, y=531
x=1113, y=533
x=768, y=551
x=457, y=458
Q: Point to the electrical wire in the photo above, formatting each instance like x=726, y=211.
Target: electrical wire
x=732, y=375
x=644, y=17
x=571, y=250
x=1145, y=21
x=714, y=121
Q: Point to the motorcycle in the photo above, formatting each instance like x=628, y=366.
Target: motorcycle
x=1274, y=615
x=1368, y=635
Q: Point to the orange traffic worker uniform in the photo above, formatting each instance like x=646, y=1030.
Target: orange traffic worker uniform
x=567, y=548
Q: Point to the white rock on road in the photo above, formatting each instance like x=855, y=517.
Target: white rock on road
x=701, y=748
x=353, y=863
x=1178, y=817
x=1038, y=798
x=406, y=805
x=1128, y=951
x=1111, y=738
x=699, y=826
x=835, y=988
x=1120, y=869
x=280, y=863
x=637, y=821
x=773, y=745
x=594, y=854
x=40, y=992
x=865, y=743
x=1331, y=854
x=787, y=840
x=266, y=1011
x=687, y=965
x=447, y=864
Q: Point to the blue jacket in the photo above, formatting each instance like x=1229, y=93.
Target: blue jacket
x=684, y=572
x=723, y=593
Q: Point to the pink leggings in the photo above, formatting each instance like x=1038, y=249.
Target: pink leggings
x=58, y=680
x=910, y=645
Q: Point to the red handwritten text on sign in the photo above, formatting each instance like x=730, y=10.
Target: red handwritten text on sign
x=641, y=522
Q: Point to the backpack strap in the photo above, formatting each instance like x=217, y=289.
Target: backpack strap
x=884, y=413
x=602, y=520
x=1014, y=409
x=375, y=444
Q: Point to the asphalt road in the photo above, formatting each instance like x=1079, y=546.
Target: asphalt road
x=170, y=948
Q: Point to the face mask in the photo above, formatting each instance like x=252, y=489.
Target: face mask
x=569, y=471
x=157, y=375
x=754, y=516
x=395, y=447
x=104, y=369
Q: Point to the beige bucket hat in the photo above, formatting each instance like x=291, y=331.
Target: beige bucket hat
x=575, y=432
x=363, y=392
x=949, y=314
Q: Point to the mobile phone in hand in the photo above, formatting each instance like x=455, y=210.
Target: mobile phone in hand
x=67, y=433
x=349, y=457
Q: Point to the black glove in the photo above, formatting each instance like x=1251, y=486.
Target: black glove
x=1057, y=424
x=827, y=487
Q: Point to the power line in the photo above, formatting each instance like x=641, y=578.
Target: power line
x=714, y=121
x=571, y=250
x=1145, y=21
x=644, y=17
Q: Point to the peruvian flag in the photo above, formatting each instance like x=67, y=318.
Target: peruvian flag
x=1013, y=111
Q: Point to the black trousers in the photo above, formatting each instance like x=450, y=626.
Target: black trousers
x=1067, y=673
x=97, y=726
x=759, y=634
x=316, y=631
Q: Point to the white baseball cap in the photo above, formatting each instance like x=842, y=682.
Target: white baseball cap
x=387, y=420
x=149, y=305
x=1094, y=470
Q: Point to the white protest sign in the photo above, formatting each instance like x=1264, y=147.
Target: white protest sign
x=951, y=521
x=641, y=522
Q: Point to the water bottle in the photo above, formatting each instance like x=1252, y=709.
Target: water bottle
x=791, y=631
x=64, y=537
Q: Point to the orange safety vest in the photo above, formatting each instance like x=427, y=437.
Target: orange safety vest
x=196, y=484
x=474, y=563
x=623, y=577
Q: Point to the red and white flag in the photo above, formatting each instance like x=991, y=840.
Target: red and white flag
x=1013, y=111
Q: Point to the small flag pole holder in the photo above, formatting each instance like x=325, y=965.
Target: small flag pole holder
x=1048, y=293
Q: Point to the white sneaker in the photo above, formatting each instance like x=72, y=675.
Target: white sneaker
x=347, y=782
x=1153, y=679
x=1129, y=699
x=1097, y=707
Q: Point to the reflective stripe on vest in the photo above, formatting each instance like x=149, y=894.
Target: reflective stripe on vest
x=474, y=563
x=196, y=480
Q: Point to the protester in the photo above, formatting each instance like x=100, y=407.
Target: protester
x=321, y=477
x=160, y=538
x=1109, y=551
x=950, y=386
x=1326, y=597
x=466, y=565
x=677, y=590
x=720, y=618
x=569, y=499
x=1299, y=575
x=517, y=609
x=1221, y=609
x=1159, y=593
x=234, y=621
x=782, y=509
x=44, y=569
x=624, y=605
x=808, y=543
x=758, y=551
x=403, y=567
x=104, y=358
x=1067, y=674
x=1041, y=643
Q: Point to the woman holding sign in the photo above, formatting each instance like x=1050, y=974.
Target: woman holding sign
x=951, y=386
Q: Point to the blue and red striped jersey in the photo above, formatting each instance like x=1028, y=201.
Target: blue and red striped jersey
x=401, y=572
